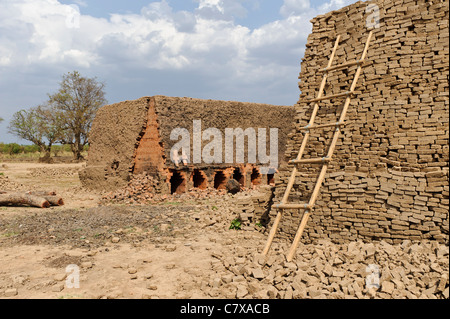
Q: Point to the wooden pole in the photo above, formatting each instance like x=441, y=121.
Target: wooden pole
x=307, y=213
x=300, y=154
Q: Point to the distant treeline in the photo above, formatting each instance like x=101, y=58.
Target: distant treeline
x=14, y=148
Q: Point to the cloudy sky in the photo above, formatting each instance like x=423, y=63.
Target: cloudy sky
x=240, y=50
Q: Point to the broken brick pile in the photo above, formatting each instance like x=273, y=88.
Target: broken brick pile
x=325, y=270
x=142, y=189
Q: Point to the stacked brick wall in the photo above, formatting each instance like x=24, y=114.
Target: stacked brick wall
x=389, y=175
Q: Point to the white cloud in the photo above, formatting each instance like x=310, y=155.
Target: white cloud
x=36, y=32
x=204, y=45
x=334, y=4
x=81, y=3
x=294, y=7
x=157, y=10
x=221, y=9
x=214, y=4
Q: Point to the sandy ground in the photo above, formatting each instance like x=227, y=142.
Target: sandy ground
x=183, y=248
x=161, y=251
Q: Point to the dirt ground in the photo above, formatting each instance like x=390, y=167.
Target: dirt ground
x=183, y=248
x=160, y=251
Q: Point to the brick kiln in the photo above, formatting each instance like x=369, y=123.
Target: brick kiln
x=134, y=137
x=389, y=175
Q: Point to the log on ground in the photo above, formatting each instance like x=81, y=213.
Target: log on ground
x=23, y=199
x=51, y=197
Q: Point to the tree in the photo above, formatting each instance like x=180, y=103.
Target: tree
x=39, y=125
x=77, y=102
x=1, y=120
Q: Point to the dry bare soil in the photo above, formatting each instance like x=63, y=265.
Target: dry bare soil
x=159, y=251
x=183, y=248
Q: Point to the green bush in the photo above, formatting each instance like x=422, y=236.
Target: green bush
x=236, y=224
x=13, y=148
x=31, y=149
x=56, y=149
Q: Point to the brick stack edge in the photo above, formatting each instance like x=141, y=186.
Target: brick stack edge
x=390, y=171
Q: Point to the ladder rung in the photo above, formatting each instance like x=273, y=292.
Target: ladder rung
x=313, y=127
x=329, y=97
x=343, y=66
x=294, y=206
x=311, y=161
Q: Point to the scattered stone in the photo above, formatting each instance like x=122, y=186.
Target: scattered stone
x=170, y=248
x=86, y=264
x=216, y=282
x=132, y=271
x=241, y=292
x=258, y=273
x=339, y=274
x=387, y=287
x=115, y=240
x=226, y=279
x=170, y=266
x=11, y=292
x=60, y=277
x=58, y=287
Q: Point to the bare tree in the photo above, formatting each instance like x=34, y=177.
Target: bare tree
x=39, y=125
x=77, y=102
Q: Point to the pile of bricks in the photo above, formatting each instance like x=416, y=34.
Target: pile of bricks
x=145, y=189
x=253, y=206
x=325, y=270
x=388, y=178
x=262, y=201
x=141, y=188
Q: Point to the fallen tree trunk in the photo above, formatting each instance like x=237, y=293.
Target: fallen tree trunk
x=23, y=199
x=54, y=200
x=50, y=197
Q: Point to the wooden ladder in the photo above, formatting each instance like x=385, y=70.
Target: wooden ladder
x=325, y=160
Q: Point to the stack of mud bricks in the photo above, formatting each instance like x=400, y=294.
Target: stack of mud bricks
x=262, y=201
x=254, y=208
x=388, y=178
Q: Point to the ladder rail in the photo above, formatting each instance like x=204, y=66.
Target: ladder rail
x=325, y=163
x=300, y=154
